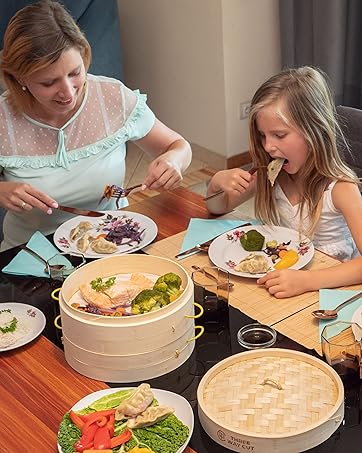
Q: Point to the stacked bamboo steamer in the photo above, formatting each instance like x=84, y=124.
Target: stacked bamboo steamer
x=271, y=400
x=127, y=348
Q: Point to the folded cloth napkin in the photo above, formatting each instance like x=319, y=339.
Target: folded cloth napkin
x=330, y=298
x=201, y=230
x=25, y=264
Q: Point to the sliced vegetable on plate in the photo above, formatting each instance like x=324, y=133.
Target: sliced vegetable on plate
x=129, y=418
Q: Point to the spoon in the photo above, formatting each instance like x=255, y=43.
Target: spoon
x=332, y=314
x=48, y=267
x=198, y=268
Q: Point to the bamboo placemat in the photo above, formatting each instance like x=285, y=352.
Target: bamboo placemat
x=255, y=301
x=303, y=327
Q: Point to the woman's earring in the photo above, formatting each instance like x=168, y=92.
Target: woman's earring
x=23, y=88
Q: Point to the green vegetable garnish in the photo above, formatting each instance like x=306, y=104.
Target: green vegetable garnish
x=12, y=326
x=68, y=434
x=149, y=300
x=252, y=241
x=169, y=283
x=99, y=285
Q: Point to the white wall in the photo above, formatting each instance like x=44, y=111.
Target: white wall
x=198, y=59
x=251, y=55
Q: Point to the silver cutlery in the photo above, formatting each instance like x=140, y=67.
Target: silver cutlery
x=219, y=192
x=204, y=246
x=78, y=211
x=332, y=314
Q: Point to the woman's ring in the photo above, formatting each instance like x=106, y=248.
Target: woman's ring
x=23, y=204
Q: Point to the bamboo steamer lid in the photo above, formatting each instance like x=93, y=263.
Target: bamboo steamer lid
x=272, y=400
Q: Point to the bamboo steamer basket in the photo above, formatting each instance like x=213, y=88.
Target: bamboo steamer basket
x=270, y=400
x=128, y=348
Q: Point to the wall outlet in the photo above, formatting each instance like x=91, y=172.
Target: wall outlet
x=244, y=110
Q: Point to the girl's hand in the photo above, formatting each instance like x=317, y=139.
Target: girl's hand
x=233, y=182
x=286, y=283
x=21, y=197
x=163, y=174
x=237, y=185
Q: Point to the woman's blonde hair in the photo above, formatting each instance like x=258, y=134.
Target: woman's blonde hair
x=310, y=109
x=35, y=38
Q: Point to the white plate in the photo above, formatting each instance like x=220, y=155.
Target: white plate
x=63, y=242
x=357, y=318
x=226, y=251
x=31, y=316
x=183, y=410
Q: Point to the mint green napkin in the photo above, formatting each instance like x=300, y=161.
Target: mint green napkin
x=330, y=298
x=25, y=264
x=201, y=230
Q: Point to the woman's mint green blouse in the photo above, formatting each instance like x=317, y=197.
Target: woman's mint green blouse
x=72, y=164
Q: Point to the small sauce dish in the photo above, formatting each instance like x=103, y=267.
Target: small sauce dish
x=256, y=336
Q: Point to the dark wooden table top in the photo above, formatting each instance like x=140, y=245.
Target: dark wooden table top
x=37, y=386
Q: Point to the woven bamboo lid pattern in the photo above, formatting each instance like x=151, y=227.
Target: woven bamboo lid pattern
x=270, y=395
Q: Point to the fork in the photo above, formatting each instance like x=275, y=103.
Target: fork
x=219, y=192
x=121, y=192
x=117, y=192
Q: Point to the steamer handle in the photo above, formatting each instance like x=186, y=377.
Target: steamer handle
x=57, y=325
x=202, y=330
x=201, y=312
x=53, y=294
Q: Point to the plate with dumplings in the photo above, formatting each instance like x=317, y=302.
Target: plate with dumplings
x=254, y=250
x=162, y=419
x=116, y=233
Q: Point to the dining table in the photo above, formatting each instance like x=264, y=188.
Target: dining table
x=38, y=386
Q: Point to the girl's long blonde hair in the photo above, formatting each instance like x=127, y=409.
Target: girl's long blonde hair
x=35, y=38
x=310, y=109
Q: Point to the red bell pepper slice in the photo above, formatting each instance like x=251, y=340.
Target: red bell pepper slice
x=86, y=441
x=102, y=421
x=99, y=420
x=76, y=419
x=91, y=415
x=110, y=425
x=121, y=439
x=102, y=439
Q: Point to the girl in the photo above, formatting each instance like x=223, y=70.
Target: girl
x=292, y=117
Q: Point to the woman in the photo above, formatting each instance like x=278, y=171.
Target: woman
x=63, y=131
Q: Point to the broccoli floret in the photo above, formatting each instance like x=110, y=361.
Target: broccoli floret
x=148, y=300
x=169, y=283
x=252, y=241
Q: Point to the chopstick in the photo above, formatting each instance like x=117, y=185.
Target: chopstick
x=219, y=192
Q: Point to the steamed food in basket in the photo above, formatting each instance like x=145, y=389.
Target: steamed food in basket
x=127, y=294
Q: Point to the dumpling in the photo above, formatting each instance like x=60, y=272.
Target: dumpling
x=79, y=230
x=253, y=264
x=101, y=245
x=136, y=403
x=150, y=416
x=84, y=241
x=274, y=168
